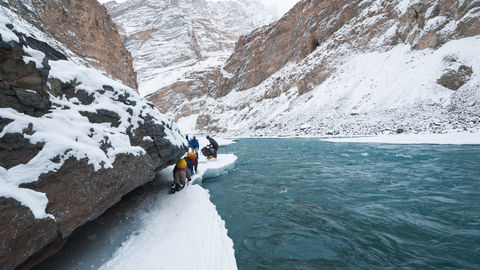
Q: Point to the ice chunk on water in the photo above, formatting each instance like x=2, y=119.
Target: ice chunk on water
x=214, y=167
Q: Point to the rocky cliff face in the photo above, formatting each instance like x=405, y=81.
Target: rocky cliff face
x=85, y=28
x=178, y=44
x=291, y=77
x=354, y=25
x=72, y=143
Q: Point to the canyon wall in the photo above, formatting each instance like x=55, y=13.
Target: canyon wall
x=85, y=28
x=73, y=141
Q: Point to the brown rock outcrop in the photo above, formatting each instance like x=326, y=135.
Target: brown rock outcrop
x=343, y=23
x=85, y=28
x=454, y=79
x=22, y=235
x=175, y=94
x=77, y=192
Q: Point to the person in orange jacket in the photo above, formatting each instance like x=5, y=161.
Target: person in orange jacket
x=192, y=162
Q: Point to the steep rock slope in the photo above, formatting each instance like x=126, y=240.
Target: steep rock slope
x=178, y=45
x=356, y=25
x=349, y=67
x=85, y=28
x=72, y=142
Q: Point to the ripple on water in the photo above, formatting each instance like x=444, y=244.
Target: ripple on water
x=305, y=204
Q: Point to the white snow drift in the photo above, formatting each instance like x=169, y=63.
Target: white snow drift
x=181, y=231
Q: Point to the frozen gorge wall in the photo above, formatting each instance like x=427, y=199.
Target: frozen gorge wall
x=73, y=141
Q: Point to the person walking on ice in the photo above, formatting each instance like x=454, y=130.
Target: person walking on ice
x=193, y=143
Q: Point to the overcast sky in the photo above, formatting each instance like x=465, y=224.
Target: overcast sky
x=282, y=6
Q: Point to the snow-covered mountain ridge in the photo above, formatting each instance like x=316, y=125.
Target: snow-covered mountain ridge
x=343, y=68
x=174, y=43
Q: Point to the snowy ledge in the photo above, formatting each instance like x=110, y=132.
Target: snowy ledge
x=180, y=231
x=186, y=221
x=452, y=138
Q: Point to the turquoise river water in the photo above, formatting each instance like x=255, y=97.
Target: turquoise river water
x=307, y=204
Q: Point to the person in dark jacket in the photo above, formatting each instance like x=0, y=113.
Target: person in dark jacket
x=214, y=144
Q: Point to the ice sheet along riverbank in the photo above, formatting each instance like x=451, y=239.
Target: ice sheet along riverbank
x=151, y=229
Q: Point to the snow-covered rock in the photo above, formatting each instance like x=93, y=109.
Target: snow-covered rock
x=71, y=142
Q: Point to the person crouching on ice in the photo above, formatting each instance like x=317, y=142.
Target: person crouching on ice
x=214, y=144
x=192, y=162
x=180, y=174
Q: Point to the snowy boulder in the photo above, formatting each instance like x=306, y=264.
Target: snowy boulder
x=454, y=79
x=71, y=144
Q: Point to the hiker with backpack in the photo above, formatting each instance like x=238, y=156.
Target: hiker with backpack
x=180, y=175
x=208, y=151
x=192, y=162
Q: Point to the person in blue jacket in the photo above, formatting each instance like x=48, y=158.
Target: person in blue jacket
x=193, y=143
